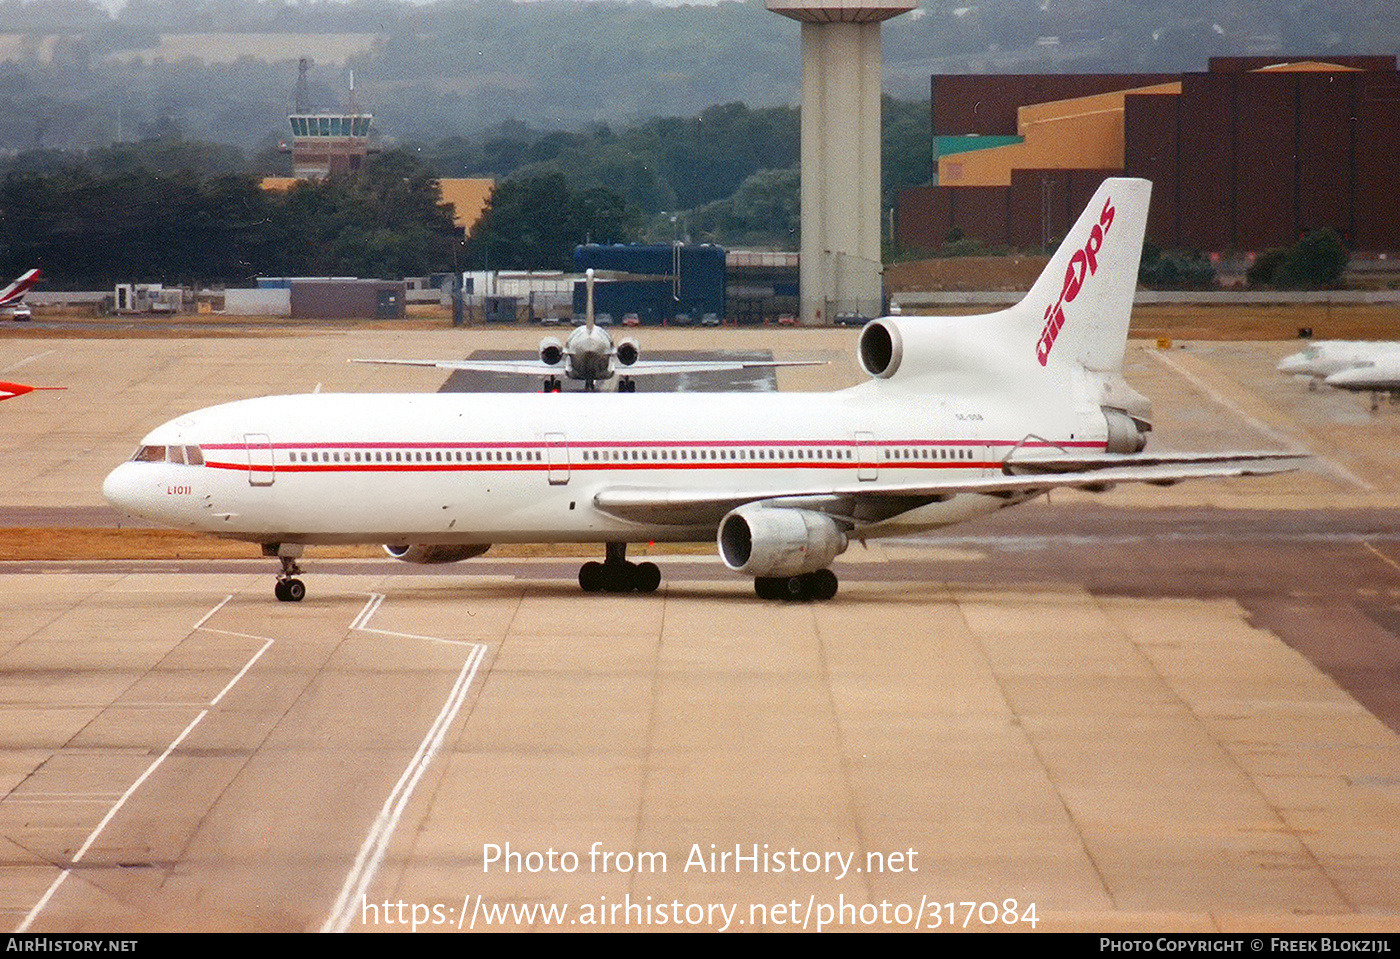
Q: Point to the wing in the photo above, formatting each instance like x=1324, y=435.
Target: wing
x=857, y=503
x=640, y=368
x=675, y=367
x=522, y=367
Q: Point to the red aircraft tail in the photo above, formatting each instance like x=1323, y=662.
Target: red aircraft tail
x=13, y=293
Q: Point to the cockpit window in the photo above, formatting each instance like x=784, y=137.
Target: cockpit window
x=169, y=454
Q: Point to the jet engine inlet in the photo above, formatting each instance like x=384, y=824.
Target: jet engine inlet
x=777, y=541
x=628, y=351
x=551, y=351
x=881, y=348
x=426, y=554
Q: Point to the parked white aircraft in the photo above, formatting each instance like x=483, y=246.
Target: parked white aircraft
x=589, y=355
x=961, y=416
x=1378, y=376
x=1321, y=360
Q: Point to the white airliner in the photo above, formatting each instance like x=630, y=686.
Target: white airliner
x=961, y=416
x=12, y=296
x=589, y=356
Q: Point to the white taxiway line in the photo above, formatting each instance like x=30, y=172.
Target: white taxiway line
x=377, y=841
x=375, y=600
x=1336, y=468
x=26, y=361
x=116, y=807
x=92, y=837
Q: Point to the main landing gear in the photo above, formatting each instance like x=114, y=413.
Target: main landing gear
x=616, y=575
x=820, y=585
x=552, y=384
x=288, y=588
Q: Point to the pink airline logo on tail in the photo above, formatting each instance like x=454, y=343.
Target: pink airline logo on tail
x=1084, y=264
x=13, y=293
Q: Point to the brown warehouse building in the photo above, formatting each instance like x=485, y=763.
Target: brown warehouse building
x=1248, y=155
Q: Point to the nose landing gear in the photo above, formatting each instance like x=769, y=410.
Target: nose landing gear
x=288, y=589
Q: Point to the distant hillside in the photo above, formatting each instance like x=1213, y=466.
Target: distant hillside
x=75, y=76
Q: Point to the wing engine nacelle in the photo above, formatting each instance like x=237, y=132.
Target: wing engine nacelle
x=628, y=351
x=778, y=541
x=551, y=351
x=1126, y=434
x=428, y=553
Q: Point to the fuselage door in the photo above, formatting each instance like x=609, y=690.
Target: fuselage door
x=867, y=466
x=557, y=452
x=262, y=471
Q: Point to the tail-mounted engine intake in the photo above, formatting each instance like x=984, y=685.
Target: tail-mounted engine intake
x=1126, y=434
x=551, y=351
x=777, y=541
x=926, y=345
x=628, y=351
x=430, y=554
x=881, y=348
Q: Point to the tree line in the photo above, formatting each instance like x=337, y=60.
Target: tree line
x=174, y=208
x=88, y=229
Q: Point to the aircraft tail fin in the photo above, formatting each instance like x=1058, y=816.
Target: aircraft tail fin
x=588, y=309
x=12, y=294
x=1079, y=308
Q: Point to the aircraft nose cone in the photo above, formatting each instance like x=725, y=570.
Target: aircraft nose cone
x=1290, y=364
x=127, y=490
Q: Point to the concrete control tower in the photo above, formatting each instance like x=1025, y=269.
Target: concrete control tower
x=841, y=74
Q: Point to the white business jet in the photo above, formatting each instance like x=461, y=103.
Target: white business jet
x=961, y=416
x=1379, y=376
x=590, y=356
x=1318, y=361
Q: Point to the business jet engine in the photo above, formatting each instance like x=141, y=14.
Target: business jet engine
x=551, y=351
x=628, y=351
x=768, y=541
x=426, y=553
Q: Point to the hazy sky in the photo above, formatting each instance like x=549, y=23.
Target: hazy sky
x=115, y=5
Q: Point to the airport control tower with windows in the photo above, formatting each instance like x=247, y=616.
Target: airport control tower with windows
x=326, y=142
